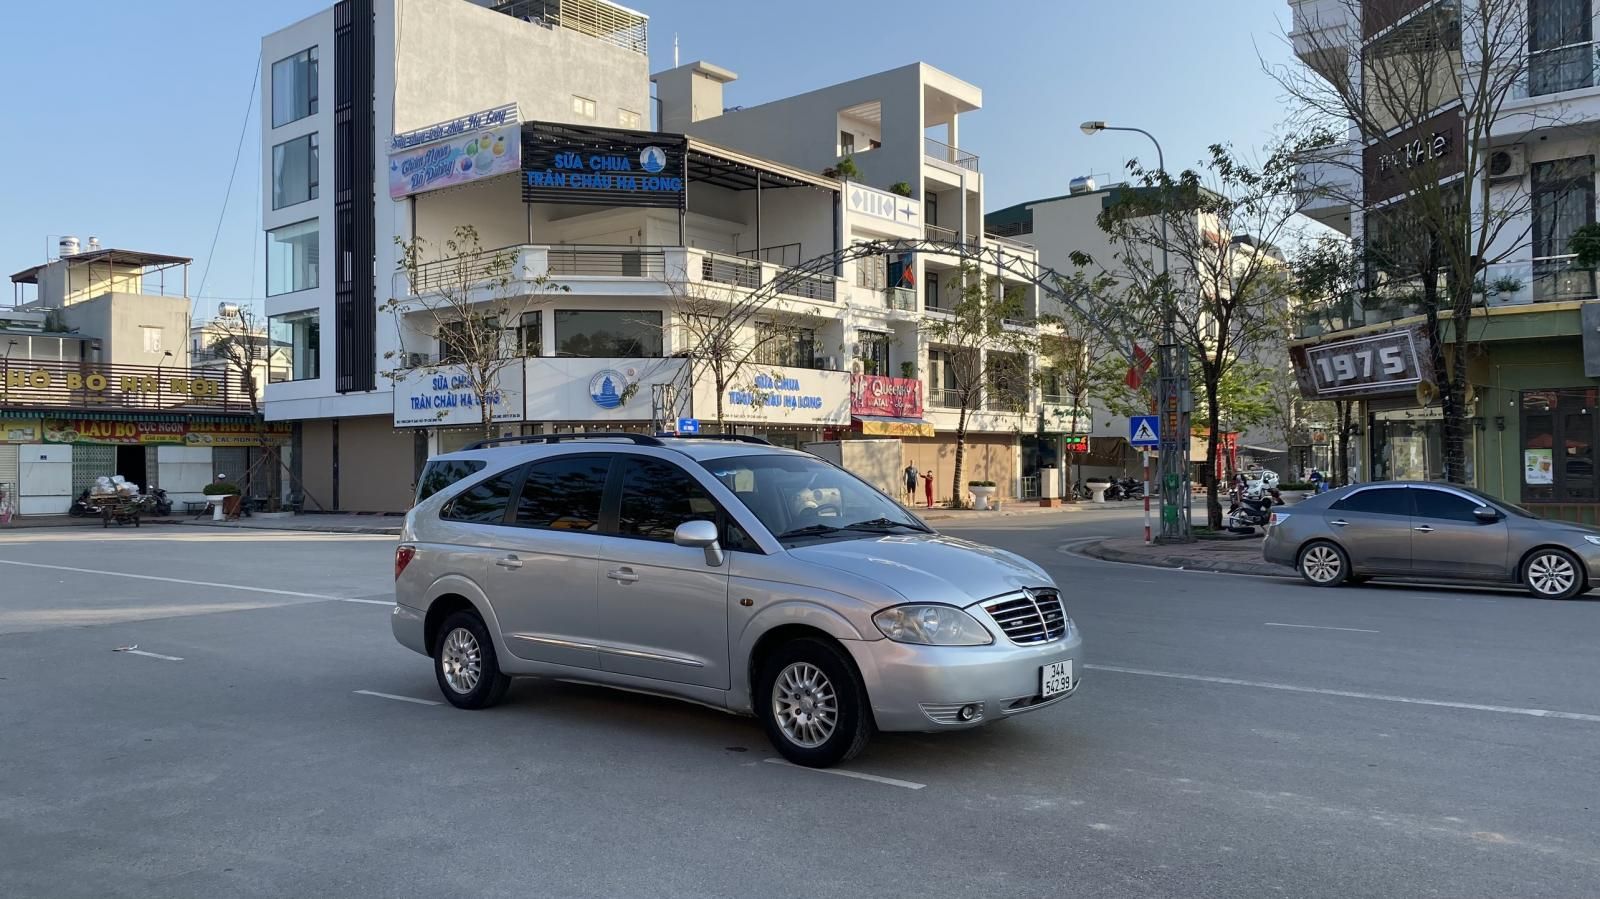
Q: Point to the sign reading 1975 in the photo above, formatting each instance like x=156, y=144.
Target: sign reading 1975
x=1390, y=362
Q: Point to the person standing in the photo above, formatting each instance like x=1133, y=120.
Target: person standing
x=911, y=483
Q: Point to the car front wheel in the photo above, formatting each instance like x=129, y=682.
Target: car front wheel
x=465, y=665
x=1324, y=564
x=812, y=704
x=1553, y=574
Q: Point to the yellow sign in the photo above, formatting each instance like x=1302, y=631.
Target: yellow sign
x=25, y=431
x=97, y=382
x=896, y=428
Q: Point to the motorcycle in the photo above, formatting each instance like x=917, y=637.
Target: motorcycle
x=82, y=507
x=160, y=504
x=1131, y=488
x=1253, y=503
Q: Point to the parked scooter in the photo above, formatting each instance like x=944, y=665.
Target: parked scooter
x=1132, y=488
x=82, y=507
x=160, y=504
x=1253, y=503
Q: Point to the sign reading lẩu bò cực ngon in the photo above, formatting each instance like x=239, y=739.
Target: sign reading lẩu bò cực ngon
x=563, y=164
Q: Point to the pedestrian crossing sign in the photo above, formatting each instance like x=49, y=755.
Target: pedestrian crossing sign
x=1143, y=431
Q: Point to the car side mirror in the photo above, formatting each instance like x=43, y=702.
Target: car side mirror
x=1485, y=514
x=702, y=534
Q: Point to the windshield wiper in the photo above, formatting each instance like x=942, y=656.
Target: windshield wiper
x=879, y=524
x=810, y=530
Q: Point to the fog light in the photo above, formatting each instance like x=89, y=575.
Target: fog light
x=969, y=712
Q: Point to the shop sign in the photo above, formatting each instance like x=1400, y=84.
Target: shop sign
x=114, y=433
x=886, y=396
x=565, y=164
x=1414, y=158
x=880, y=428
x=779, y=395
x=1075, y=443
x=444, y=397
x=19, y=431
x=455, y=153
x=21, y=382
x=597, y=389
x=1387, y=363
x=238, y=434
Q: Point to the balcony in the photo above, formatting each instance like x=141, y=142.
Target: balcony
x=941, y=233
x=734, y=271
x=1327, y=183
x=65, y=387
x=901, y=299
x=600, y=20
x=1570, y=68
x=1323, y=34
x=939, y=151
x=945, y=397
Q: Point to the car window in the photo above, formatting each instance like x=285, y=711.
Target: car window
x=790, y=493
x=1376, y=501
x=441, y=473
x=657, y=496
x=485, y=503
x=1442, y=505
x=563, y=494
x=1502, y=505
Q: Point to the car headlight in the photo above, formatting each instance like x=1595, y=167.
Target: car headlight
x=1592, y=538
x=931, y=625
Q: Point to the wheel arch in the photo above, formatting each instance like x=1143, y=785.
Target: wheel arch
x=448, y=596
x=1582, y=569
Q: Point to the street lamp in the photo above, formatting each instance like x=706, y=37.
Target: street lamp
x=1174, y=457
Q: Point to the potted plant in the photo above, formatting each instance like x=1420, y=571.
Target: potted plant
x=908, y=369
x=229, y=493
x=981, y=491
x=900, y=189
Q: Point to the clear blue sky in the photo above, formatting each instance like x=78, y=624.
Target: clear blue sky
x=124, y=117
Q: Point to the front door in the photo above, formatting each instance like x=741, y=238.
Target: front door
x=1448, y=540
x=544, y=573
x=1374, y=525
x=664, y=610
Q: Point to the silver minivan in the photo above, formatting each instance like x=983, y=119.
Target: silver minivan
x=728, y=572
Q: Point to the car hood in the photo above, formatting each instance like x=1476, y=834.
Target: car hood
x=928, y=567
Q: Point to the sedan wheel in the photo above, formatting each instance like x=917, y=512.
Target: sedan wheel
x=1324, y=565
x=812, y=703
x=1553, y=574
x=465, y=665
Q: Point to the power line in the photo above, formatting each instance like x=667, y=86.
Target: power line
x=255, y=77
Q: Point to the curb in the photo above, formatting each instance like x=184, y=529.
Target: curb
x=330, y=529
x=1111, y=554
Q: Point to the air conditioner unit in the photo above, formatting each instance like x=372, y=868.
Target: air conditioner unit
x=1508, y=163
x=416, y=360
x=857, y=367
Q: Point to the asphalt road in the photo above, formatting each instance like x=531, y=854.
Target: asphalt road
x=1235, y=736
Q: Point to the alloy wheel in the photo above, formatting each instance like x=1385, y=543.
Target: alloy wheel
x=805, y=705
x=1551, y=574
x=1321, y=563
x=461, y=660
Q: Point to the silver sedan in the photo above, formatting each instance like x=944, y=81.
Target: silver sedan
x=1432, y=532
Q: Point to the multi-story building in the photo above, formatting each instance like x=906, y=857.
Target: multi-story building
x=95, y=380
x=1535, y=335
x=614, y=245
x=220, y=345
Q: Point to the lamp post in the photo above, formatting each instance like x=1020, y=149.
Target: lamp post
x=1172, y=384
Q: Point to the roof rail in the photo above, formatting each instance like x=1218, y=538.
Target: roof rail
x=639, y=439
x=739, y=438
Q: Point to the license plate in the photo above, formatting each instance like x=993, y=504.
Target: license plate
x=1055, y=677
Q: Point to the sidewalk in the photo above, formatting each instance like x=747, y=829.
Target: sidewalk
x=21, y=523
x=331, y=523
x=1230, y=556
x=1009, y=509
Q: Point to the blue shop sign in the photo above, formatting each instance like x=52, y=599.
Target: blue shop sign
x=568, y=164
x=778, y=393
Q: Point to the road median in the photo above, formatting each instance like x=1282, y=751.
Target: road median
x=1227, y=556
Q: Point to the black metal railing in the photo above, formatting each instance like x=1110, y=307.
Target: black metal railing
x=460, y=272
x=731, y=270
x=614, y=262
x=939, y=232
x=943, y=152
x=809, y=287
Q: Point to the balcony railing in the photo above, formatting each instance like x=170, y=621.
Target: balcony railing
x=939, y=232
x=943, y=152
x=615, y=262
x=945, y=397
x=809, y=287
x=1569, y=68
x=903, y=299
x=730, y=270
x=460, y=272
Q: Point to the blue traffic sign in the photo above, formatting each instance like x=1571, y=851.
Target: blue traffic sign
x=688, y=426
x=1144, y=430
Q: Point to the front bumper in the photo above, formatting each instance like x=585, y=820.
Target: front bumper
x=923, y=688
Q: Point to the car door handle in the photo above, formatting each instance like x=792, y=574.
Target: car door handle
x=509, y=562
x=622, y=575
x=1424, y=529
x=1338, y=522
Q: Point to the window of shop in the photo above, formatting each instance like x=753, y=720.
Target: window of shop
x=299, y=334
x=292, y=253
x=461, y=341
x=873, y=351
x=1413, y=450
x=294, y=171
x=1558, y=441
x=294, y=87
x=608, y=333
x=779, y=345
x=1563, y=202
x=530, y=334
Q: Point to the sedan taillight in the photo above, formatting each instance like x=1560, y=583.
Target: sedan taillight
x=403, y=554
x=1277, y=518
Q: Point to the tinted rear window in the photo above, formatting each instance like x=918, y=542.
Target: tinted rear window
x=485, y=503
x=441, y=473
x=1381, y=501
x=564, y=494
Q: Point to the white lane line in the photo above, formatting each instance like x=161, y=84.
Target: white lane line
x=398, y=698
x=1322, y=627
x=905, y=784
x=176, y=580
x=1354, y=694
x=150, y=655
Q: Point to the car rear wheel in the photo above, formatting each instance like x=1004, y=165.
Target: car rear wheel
x=1324, y=564
x=465, y=665
x=812, y=704
x=1553, y=574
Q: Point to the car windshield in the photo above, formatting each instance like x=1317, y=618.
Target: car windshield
x=1513, y=508
x=799, y=497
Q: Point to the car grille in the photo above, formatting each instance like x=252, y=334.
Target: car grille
x=1034, y=616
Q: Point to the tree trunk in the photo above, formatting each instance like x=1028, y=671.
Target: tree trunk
x=957, y=495
x=1453, y=389
x=1341, y=476
x=1213, y=419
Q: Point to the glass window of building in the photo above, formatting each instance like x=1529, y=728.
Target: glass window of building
x=582, y=107
x=294, y=171
x=1560, y=55
x=294, y=87
x=292, y=254
x=530, y=334
x=1558, y=445
x=1563, y=202
x=608, y=333
x=298, y=336
x=627, y=118
x=872, y=348
x=788, y=346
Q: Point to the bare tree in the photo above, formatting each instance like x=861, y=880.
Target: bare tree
x=1227, y=285
x=985, y=346
x=241, y=340
x=1427, y=102
x=471, y=302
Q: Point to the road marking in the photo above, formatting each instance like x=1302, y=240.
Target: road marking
x=149, y=655
x=1354, y=694
x=177, y=580
x=1322, y=627
x=905, y=784
x=399, y=698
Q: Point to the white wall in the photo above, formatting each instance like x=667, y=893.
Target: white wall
x=183, y=471
x=46, y=479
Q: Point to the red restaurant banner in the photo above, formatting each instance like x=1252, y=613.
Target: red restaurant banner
x=885, y=396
